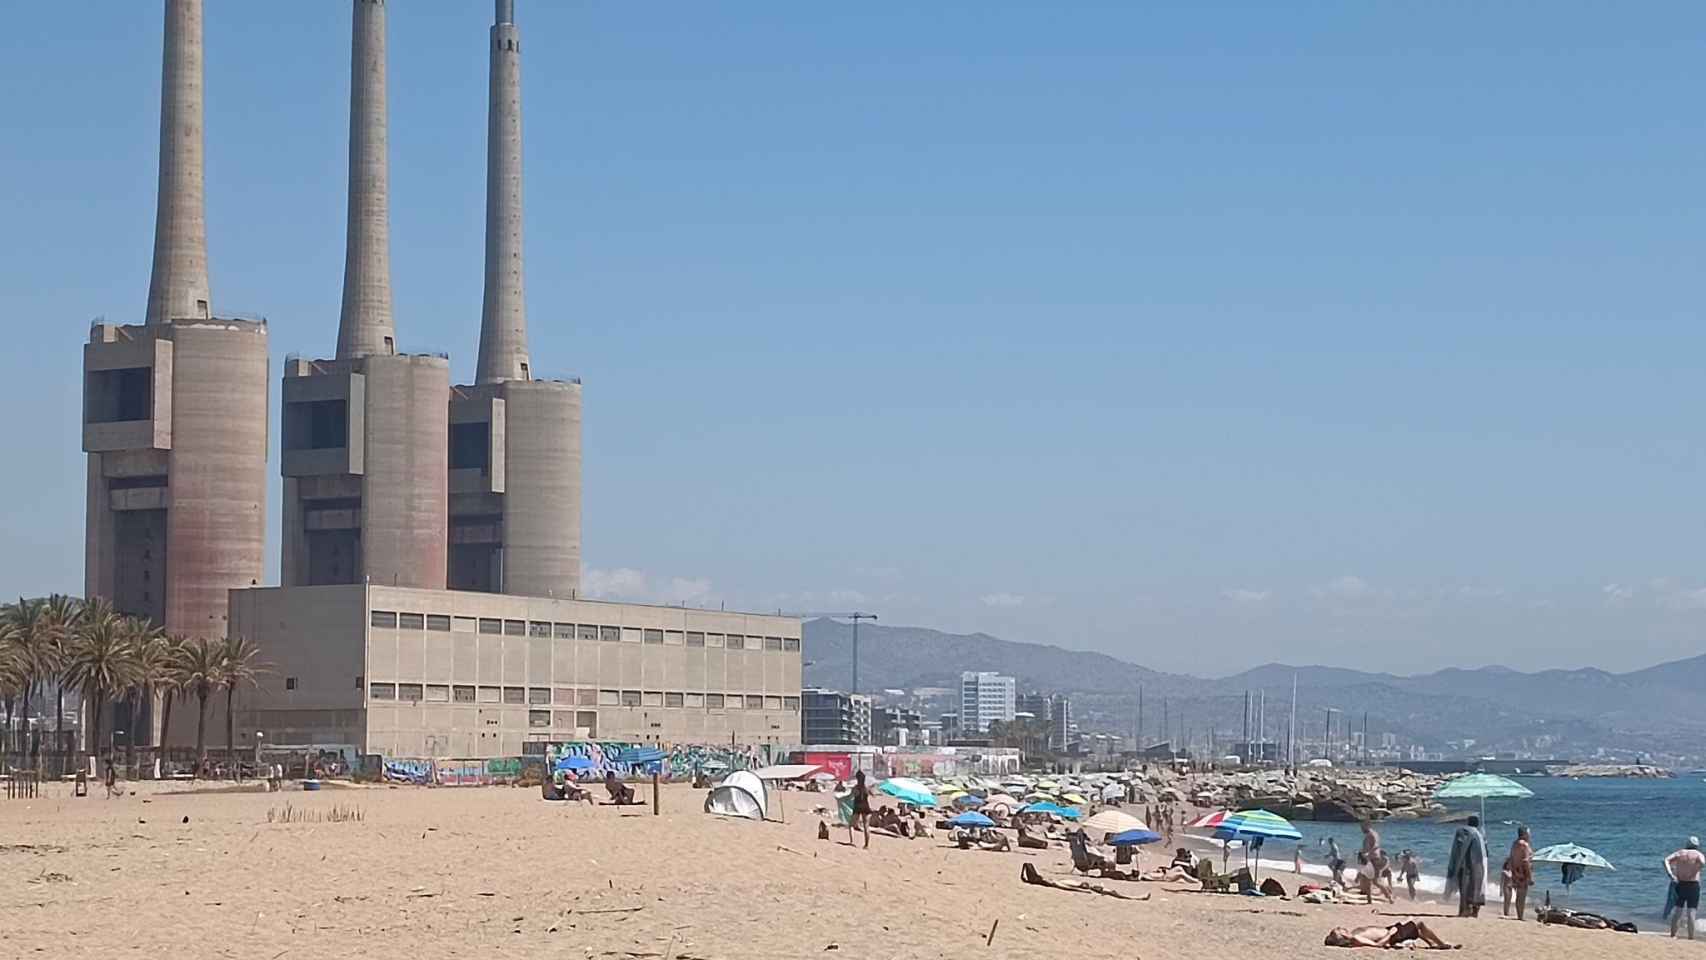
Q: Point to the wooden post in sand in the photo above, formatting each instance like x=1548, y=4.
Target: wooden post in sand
x=654, y=793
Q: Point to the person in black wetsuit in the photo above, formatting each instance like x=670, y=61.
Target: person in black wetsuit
x=861, y=818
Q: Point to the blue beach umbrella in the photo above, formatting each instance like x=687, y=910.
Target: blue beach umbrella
x=573, y=762
x=1054, y=808
x=1134, y=838
x=967, y=800
x=971, y=818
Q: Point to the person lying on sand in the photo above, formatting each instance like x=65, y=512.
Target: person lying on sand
x=1393, y=937
x=1029, y=842
x=1028, y=873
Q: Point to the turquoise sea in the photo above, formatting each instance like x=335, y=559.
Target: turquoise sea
x=1634, y=824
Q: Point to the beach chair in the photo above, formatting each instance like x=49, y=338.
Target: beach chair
x=1213, y=882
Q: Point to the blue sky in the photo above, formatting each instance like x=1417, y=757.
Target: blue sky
x=1204, y=334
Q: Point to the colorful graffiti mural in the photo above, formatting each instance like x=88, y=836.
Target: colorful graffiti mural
x=679, y=762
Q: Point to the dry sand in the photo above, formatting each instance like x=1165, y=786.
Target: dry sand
x=484, y=872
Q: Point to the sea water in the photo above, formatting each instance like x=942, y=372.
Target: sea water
x=1634, y=824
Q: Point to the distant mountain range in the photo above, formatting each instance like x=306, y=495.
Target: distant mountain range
x=1661, y=708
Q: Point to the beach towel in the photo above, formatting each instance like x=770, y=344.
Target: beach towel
x=844, y=810
x=1670, y=899
x=1466, y=871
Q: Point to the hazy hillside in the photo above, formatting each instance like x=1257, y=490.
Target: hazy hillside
x=1658, y=708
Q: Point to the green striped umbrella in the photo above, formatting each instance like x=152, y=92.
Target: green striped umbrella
x=1480, y=786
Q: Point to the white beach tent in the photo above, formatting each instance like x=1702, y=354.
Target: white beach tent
x=739, y=795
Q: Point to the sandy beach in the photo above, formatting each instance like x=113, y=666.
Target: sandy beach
x=463, y=872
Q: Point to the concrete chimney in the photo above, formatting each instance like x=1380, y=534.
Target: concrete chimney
x=366, y=327
x=178, y=288
x=503, y=318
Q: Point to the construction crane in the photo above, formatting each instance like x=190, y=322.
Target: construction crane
x=856, y=616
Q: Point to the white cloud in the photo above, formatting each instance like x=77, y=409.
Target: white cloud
x=1245, y=594
x=1617, y=593
x=622, y=583
x=1002, y=600
x=1347, y=587
x=1694, y=599
x=626, y=583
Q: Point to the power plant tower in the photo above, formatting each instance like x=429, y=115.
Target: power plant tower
x=175, y=409
x=515, y=451
x=366, y=456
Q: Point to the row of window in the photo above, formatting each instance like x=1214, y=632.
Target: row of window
x=581, y=696
x=393, y=620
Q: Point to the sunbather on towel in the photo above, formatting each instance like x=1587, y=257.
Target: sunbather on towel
x=1393, y=937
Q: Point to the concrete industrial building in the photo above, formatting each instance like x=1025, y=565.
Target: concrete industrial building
x=175, y=409
x=366, y=446
x=984, y=698
x=515, y=441
x=445, y=673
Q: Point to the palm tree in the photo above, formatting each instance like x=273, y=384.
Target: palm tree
x=63, y=615
x=171, y=683
x=13, y=675
x=239, y=666
x=200, y=670
x=100, y=662
x=153, y=661
x=25, y=627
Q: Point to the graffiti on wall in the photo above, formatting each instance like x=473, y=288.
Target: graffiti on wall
x=679, y=761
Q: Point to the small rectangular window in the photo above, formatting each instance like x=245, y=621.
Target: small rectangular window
x=630, y=634
x=695, y=700
x=734, y=702
x=538, y=718
x=564, y=631
x=772, y=703
x=630, y=698
x=672, y=637
x=755, y=643
x=490, y=695
x=464, y=693
x=586, y=718
x=695, y=638
x=464, y=624
x=588, y=632
x=609, y=634
x=290, y=683
x=564, y=719
x=791, y=703
x=609, y=698
x=537, y=696
x=673, y=700
x=515, y=695
x=384, y=618
x=538, y=628
x=411, y=621
x=410, y=692
x=490, y=626
x=586, y=697
x=773, y=644
x=438, y=693
x=754, y=702
x=713, y=639
x=382, y=691
x=651, y=698
x=654, y=636
x=790, y=644
x=515, y=628
x=713, y=701
x=439, y=622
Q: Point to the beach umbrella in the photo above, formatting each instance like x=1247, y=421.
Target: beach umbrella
x=1209, y=821
x=1002, y=799
x=573, y=762
x=967, y=800
x=1113, y=791
x=1255, y=825
x=1480, y=786
x=1133, y=838
x=909, y=790
x=1576, y=860
x=971, y=818
x=1053, y=808
x=1074, y=799
x=1113, y=821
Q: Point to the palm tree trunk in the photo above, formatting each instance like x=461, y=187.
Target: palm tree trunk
x=231, y=731
x=98, y=701
x=59, y=723
x=165, y=724
x=201, y=733
x=6, y=742
x=130, y=741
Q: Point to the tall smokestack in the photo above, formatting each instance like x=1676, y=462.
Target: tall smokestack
x=503, y=318
x=178, y=289
x=365, y=326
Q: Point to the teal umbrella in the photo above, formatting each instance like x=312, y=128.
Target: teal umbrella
x=908, y=790
x=1480, y=786
x=1575, y=860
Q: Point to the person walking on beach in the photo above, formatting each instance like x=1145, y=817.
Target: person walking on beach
x=1521, y=867
x=1684, y=867
x=1377, y=859
x=1411, y=868
x=861, y=817
x=1466, y=871
x=1335, y=862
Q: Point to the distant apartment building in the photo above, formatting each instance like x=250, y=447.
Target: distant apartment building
x=985, y=698
x=1035, y=704
x=830, y=716
x=1060, y=722
x=896, y=726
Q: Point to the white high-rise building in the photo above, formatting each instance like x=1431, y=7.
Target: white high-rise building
x=986, y=697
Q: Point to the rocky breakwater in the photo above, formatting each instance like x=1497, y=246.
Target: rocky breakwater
x=1636, y=771
x=1334, y=796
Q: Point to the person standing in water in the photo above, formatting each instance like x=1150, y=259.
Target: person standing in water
x=1684, y=868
